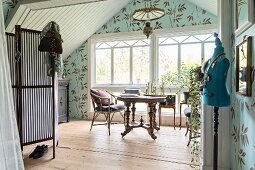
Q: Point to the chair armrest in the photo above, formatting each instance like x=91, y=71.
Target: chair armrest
x=112, y=95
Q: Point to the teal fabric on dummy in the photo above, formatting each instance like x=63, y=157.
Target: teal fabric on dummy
x=215, y=91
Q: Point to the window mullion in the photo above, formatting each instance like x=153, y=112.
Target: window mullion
x=112, y=65
x=131, y=65
x=202, y=52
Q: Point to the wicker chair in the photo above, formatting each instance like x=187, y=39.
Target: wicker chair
x=103, y=105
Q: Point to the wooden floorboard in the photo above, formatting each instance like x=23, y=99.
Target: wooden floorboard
x=80, y=149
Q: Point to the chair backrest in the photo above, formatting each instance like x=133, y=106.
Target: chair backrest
x=100, y=97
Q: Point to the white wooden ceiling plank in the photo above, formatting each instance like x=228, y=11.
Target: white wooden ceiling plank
x=73, y=18
x=43, y=4
x=64, y=11
x=83, y=23
x=36, y=20
x=81, y=18
x=88, y=29
x=93, y=24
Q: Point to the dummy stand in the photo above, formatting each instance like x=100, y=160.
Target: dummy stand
x=215, y=138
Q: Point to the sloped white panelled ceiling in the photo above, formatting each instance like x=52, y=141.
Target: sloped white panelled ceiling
x=78, y=19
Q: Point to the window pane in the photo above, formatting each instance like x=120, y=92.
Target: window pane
x=168, y=57
x=169, y=41
x=191, y=39
x=180, y=38
x=209, y=48
x=203, y=37
x=141, y=65
x=121, y=66
x=103, y=66
x=191, y=54
x=142, y=42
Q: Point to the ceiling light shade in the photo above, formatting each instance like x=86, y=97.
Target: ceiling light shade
x=148, y=14
x=147, y=29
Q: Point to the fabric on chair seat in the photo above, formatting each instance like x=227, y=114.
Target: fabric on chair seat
x=113, y=107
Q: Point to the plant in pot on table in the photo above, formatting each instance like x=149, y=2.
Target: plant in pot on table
x=170, y=100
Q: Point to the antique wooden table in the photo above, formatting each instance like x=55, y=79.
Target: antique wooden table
x=151, y=101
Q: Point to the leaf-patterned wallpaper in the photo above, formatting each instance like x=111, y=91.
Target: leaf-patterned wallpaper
x=243, y=116
x=179, y=13
x=242, y=130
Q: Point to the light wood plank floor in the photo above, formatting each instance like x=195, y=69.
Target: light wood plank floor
x=80, y=149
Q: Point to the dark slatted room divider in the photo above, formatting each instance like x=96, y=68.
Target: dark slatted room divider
x=33, y=89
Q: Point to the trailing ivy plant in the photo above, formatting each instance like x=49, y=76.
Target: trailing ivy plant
x=195, y=103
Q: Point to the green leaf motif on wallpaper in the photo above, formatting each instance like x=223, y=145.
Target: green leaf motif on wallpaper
x=244, y=136
x=241, y=140
x=181, y=8
x=73, y=92
x=166, y=4
x=170, y=11
x=241, y=134
x=247, y=105
x=135, y=2
x=206, y=21
x=235, y=134
x=116, y=19
x=124, y=10
x=126, y=16
x=105, y=27
x=116, y=29
x=190, y=18
x=158, y=26
x=240, y=158
x=178, y=17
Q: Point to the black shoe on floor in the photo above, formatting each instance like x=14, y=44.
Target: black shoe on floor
x=40, y=152
x=34, y=151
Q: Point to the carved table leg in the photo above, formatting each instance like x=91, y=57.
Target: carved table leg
x=151, y=115
x=127, y=114
x=154, y=118
x=133, y=109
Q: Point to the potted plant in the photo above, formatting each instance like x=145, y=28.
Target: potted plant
x=170, y=99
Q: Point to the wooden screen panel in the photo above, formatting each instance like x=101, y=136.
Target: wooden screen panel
x=33, y=89
x=37, y=109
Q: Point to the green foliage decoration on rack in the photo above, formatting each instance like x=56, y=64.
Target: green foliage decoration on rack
x=195, y=120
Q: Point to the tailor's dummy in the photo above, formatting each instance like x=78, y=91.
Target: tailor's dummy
x=215, y=92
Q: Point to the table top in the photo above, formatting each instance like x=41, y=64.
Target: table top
x=144, y=99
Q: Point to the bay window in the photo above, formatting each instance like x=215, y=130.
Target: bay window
x=130, y=61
